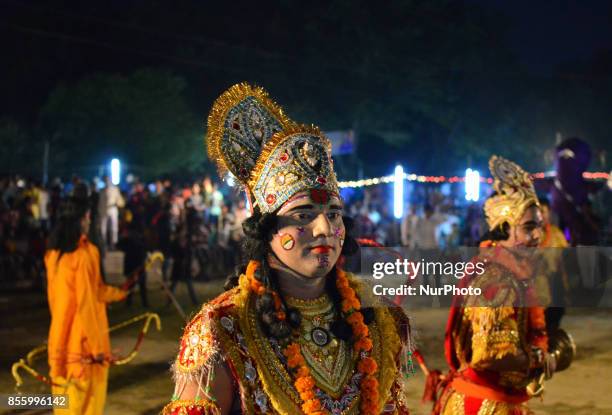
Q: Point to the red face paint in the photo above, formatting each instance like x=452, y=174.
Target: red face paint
x=321, y=249
x=319, y=196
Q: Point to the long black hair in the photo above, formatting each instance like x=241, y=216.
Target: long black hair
x=67, y=231
x=499, y=233
x=258, y=230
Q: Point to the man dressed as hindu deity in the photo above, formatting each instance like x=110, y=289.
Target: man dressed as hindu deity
x=496, y=343
x=293, y=333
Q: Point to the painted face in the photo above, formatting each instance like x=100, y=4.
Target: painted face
x=310, y=233
x=528, y=231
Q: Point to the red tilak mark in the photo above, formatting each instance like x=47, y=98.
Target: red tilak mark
x=270, y=199
x=319, y=196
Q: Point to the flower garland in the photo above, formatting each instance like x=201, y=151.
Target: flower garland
x=367, y=366
x=304, y=382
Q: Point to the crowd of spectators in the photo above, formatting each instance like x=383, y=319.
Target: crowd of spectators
x=198, y=225
x=195, y=226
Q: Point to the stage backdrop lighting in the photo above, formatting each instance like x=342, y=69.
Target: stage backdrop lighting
x=472, y=185
x=115, y=167
x=398, y=192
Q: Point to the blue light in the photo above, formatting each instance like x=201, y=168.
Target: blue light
x=231, y=180
x=115, y=167
x=398, y=192
x=472, y=185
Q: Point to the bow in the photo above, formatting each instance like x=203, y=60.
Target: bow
x=117, y=360
x=21, y=364
x=151, y=258
x=26, y=364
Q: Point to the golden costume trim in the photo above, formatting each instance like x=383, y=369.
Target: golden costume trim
x=293, y=160
x=277, y=382
x=241, y=120
x=331, y=364
x=271, y=156
x=186, y=407
x=495, y=322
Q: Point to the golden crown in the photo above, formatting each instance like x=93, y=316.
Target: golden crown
x=273, y=157
x=514, y=193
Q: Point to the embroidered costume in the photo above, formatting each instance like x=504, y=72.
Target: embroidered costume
x=503, y=321
x=550, y=275
x=312, y=371
x=226, y=329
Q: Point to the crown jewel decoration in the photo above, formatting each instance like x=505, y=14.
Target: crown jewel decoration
x=271, y=156
x=515, y=193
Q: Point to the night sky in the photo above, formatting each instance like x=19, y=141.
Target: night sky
x=44, y=43
x=431, y=78
x=545, y=34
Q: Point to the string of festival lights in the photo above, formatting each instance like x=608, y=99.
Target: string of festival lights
x=411, y=177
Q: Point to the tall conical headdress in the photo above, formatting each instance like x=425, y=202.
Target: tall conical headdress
x=515, y=193
x=271, y=156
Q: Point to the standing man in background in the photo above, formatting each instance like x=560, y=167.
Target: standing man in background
x=408, y=227
x=108, y=208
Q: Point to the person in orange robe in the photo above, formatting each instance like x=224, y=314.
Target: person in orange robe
x=79, y=345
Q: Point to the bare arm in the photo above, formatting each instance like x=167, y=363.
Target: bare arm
x=203, y=380
x=221, y=389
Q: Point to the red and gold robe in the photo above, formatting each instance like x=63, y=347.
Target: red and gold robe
x=227, y=330
x=504, y=320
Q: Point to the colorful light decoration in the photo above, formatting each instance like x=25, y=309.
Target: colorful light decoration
x=230, y=180
x=115, y=168
x=472, y=185
x=398, y=192
x=411, y=177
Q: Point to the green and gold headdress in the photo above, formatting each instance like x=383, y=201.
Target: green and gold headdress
x=271, y=156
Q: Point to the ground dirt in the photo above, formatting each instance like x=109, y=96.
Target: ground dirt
x=144, y=385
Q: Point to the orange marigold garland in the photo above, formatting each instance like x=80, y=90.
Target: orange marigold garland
x=304, y=382
x=367, y=366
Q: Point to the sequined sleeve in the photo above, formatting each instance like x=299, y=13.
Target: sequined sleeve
x=493, y=319
x=195, y=364
x=404, y=362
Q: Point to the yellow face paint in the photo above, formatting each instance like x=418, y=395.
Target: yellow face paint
x=287, y=241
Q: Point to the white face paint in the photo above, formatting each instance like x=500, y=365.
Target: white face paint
x=310, y=233
x=528, y=232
